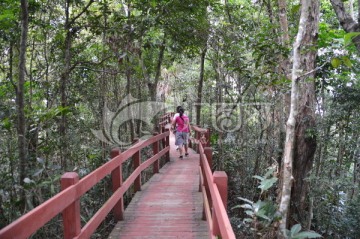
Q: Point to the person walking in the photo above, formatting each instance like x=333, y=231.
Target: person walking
x=174, y=130
x=182, y=131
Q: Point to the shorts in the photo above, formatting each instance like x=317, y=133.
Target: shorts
x=181, y=138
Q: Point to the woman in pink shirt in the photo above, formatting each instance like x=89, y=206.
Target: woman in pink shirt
x=182, y=131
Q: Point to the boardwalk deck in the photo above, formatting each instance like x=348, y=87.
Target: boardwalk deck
x=168, y=206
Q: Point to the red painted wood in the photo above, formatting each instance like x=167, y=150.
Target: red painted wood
x=26, y=225
x=29, y=223
x=136, y=164
x=208, y=154
x=221, y=181
x=167, y=143
x=169, y=205
x=71, y=215
x=156, y=164
x=117, y=181
x=172, y=207
x=221, y=224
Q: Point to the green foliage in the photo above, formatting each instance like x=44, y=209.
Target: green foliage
x=295, y=233
x=268, y=180
x=262, y=213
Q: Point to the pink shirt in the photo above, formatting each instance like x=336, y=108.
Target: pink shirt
x=182, y=123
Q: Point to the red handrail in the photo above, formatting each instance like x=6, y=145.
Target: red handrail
x=214, y=189
x=165, y=120
x=67, y=201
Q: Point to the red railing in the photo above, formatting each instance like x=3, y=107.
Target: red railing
x=165, y=120
x=212, y=185
x=201, y=136
x=214, y=189
x=67, y=201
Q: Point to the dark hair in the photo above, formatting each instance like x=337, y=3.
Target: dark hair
x=178, y=109
x=181, y=112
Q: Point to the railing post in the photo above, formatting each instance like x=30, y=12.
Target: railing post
x=167, y=143
x=117, y=181
x=136, y=163
x=201, y=185
x=71, y=214
x=196, y=142
x=208, y=135
x=155, y=151
x=221, y=180
x=208, y=153
x=215, y=224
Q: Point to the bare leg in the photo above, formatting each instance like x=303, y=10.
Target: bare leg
x=181, y=150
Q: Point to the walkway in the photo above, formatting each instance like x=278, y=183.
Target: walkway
x=169, y=205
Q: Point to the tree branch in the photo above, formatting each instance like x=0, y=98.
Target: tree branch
x=81, y=13
x=346, y=21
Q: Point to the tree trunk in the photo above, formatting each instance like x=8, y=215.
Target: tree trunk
x=153, y=86
x=70, y=31
x=20, y=96
x=200, y=86
x=284, y=69
x=305, y=136
x=300, y=141
x=346, y=20
x=63, y=87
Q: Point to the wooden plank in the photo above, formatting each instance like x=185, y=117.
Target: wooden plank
x=169, y=205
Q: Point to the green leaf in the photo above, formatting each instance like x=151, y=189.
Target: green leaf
x=250, y=213
x=270, y=172
x=335, y=62
x=349, y=36
x=267, y=183
x=295, y=229
x=295, y=9
x=262, y=214
x=246, y=200
x=246, y=206
x=258, y=177
x=346, y=61
x=28, y=180
x=235, y=207
x=308, y=234
x=6, y=123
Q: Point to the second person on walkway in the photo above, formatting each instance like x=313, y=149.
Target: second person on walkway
x=182, y=132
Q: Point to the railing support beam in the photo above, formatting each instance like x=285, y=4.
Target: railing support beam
x=208, y=154
x=167, y=143
x=117, y=181
x=71, y=214
x=221, y=180
x=156, y=164
x=136, y=163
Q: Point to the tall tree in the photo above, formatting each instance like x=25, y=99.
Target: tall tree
x=20, y=95
x=300, y=142
x=200, y=86
x=71, y=29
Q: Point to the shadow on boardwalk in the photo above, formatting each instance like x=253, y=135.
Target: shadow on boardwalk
x=169, y=205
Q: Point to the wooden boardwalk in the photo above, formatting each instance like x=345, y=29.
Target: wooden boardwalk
x=169, y=205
